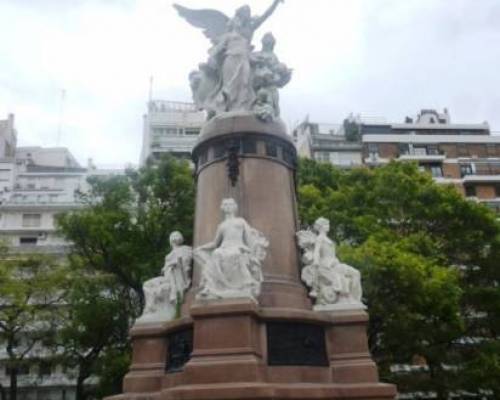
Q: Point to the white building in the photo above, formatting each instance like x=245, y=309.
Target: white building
x=36, y=184
x=170, y=127
x=327, y=143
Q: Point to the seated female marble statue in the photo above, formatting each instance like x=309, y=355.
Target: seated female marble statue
x=231, y=265
x=164, y=292
x=332, y=284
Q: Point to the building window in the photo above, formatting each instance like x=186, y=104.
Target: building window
x=497, y=190
x=192, y=131
x=28, y=241
x=32, y=220
x=420, y=151
x=373, y=148
x=470, y=191
x=466, y=169
x=403, y=148
x=322, y=156
x=433, y=150
x=436, y=171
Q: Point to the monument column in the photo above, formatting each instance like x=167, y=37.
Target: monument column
x=247, y=327
x=253, y=162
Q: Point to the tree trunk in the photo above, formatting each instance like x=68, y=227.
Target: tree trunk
x=13, y=384
x=80, y=389
x=3, y=394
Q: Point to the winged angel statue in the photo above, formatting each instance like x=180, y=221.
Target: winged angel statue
x=332, y=284
x=234, y=77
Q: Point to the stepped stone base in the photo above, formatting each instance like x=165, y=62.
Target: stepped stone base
x=234, y=356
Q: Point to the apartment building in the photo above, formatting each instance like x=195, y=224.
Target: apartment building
x=37, y=184
x=327, y=143
x=170, y=127
x=465, y=155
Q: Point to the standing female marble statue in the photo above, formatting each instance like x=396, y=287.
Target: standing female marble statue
x=224, y=82
x=162, y=293
x=231, y=263
x=234, y=51
x=331, y=282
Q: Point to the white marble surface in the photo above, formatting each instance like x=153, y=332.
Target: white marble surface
x=163, y=293
x=231, y=265
x=332, y=284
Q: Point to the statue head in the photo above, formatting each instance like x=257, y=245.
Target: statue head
x=268, y=41
x=229, y=206
x=322, y=225
x=176, y=239
x=244, y=12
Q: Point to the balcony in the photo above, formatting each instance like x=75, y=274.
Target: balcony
x=480, y=178
x=422, y=157
x=480, y=172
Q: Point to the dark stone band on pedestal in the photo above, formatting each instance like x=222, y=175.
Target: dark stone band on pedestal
x=180, y=347
x=232, y=147
x=294, y=343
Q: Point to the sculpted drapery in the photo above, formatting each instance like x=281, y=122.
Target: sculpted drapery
x=332, y=283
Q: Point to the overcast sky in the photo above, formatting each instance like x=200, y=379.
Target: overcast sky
x=385, y=58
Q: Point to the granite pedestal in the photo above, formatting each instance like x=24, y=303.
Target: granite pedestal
x=273, y=348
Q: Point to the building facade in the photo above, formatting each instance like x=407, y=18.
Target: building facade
x=465, y=155
x=170, y=127
x=327, y=143
x=37, y=184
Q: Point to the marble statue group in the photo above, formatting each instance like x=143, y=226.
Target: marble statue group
x=231, y=267
x=235, y=78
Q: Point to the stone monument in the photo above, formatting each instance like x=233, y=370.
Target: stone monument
x=333, y=285
x=249, y=328
x=164, y=293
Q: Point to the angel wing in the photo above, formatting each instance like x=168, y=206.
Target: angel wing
x=213, y=22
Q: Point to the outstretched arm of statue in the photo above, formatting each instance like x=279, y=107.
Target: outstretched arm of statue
x=215, y=243
x=258, y=21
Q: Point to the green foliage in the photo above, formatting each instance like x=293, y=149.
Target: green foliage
x=352, y=131
x=120, y=239
x=111, y=368
x=429, y=264
x=124, y=228
x=30, y=296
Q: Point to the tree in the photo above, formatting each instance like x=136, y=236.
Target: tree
x=124, y=227
x=30, y=297
x=120, y=238
x=352, y=130
x=428, y=260
x=96, y=323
